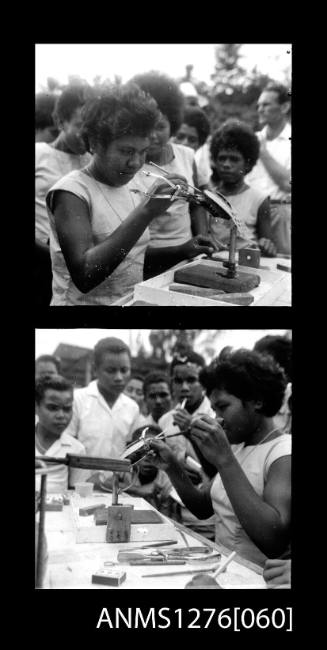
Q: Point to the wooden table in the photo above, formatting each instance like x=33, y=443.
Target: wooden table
x=70, y=564
x=275, y=289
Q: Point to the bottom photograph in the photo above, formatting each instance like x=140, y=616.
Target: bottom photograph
x=163, y=458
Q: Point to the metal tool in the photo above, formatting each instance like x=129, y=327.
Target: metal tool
x=119, y=516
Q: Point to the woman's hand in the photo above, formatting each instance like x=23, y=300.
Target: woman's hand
x=211, y=440
x=161, y=454
x=182, y=418
x=277, y=574
x=198, y=245
x=267, y=247
x=156, y=206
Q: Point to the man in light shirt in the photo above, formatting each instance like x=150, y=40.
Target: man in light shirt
x=157, y=397
x=272, y=173
x=188, y=391
x=103, y=416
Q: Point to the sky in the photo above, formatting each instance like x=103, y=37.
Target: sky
x=107, y=60
x=46, y=340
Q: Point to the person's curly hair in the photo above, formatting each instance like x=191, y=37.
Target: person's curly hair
x=280, y=348
x=165, y=91
x=117, y=111
x=234, y=134
x=197, y=118
x=72, y=97
x=56, y=382
x=249, y=376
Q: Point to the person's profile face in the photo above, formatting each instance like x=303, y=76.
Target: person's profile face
x=55, y=411
x=72, y=130
x=113, y=372
x=188, y=136
x=159, y=136
x=158, y=399
x=237, y=415
x=121, y=159
x=134, y=390
x=185, y=383
x=269, y=109
x=45, y=369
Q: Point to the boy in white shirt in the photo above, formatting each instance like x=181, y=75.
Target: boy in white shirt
x=54, y=405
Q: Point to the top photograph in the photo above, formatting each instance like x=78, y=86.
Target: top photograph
x=163, y=175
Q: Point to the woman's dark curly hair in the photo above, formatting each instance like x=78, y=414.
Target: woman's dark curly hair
x=280, y=348
x=72, y=97
x=237, y=135
x=249, y=376
x=116, y=111
x=167, y=94
x=197, y=118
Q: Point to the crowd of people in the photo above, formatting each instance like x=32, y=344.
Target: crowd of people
x=106, y=217
x=227, y=476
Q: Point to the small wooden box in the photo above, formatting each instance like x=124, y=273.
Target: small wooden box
x=111, y=577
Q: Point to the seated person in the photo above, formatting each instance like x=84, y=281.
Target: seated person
x=100, y=256
x=54, y=407
x=234, y=150
x=251, y=492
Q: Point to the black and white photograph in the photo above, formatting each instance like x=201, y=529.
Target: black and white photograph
x=163, y=458
x=163, y=453
x=163, y=175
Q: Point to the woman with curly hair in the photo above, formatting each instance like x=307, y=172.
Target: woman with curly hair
x=251, y=492
x=234, y=151
x=99, y=215
x=176, y=224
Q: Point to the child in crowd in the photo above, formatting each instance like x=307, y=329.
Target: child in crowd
x=234, y=151
x=149, y=482
x=54, y=407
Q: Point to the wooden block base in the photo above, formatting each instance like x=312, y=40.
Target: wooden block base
x=215, y=277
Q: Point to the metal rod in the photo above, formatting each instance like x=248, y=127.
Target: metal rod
x=115, y=488
x=40, y=555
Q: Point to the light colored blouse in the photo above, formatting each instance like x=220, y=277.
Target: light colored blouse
x=173, y=227
x=50, y=165
x=108, y=208
x=255, y=462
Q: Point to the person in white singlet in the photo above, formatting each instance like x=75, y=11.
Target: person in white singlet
x=251, y=492
x=99, y=216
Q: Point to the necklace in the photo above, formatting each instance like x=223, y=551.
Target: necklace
x=89, y=173
x=259, y=443
x=41, y=447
